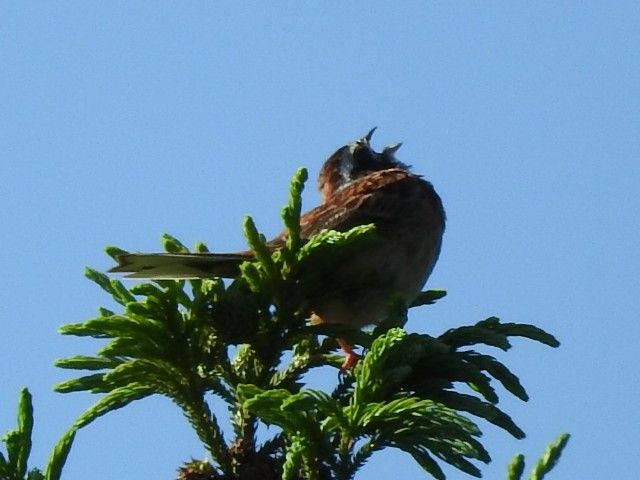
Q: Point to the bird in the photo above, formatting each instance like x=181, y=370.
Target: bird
x=358, y=186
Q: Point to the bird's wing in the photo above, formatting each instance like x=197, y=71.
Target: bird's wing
x=163, y=266
x=380, y=197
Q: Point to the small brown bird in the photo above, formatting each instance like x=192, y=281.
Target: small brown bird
x=358, y=187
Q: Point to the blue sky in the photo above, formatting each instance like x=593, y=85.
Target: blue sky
x=123, y=120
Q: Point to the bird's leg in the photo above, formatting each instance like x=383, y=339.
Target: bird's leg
x=351, y=358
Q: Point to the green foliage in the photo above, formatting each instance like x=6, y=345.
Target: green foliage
x=545, y=463
x=13, y=466
x=18, y=443
x=248, y=344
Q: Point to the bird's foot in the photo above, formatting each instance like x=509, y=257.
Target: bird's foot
x=351, y=357
x=350, y=361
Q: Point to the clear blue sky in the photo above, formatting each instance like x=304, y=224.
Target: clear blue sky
x=123, y=120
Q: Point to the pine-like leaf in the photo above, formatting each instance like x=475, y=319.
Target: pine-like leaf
x=475, y=406
x=501, y=373
x=291, y=214
x=146, y=289
x=550, y=457
x=293, y=458
x=172, y=244
x=114, y=252
x=529, y=331
x=25, y=428
x=197, y=470
x=368, y=380
x=85, y=362
x=465, y=336
x=114, y=400
x=428, y=464
x=91, y=383
x=35, y=474
x=157, y=375
x=258, y=246
x=109, y=286
x=58, y=456
x=515, y=468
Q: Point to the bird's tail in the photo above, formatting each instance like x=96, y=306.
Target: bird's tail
x=175, y=266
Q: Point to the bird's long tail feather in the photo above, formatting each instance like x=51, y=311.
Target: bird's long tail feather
x=175, y=266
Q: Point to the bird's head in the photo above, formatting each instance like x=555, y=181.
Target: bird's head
x=354, y=161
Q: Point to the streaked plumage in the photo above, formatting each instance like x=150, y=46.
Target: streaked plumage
x=358, y=186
